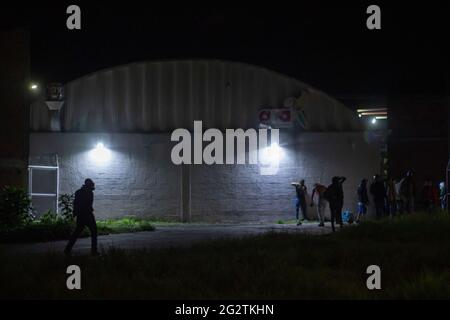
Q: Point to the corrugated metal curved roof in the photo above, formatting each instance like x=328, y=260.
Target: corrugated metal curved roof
x=162, y=96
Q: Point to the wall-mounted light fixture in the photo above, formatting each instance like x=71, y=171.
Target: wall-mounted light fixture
x=100, y=154
x=270, y=159
x=273, y=154
x=377, y=114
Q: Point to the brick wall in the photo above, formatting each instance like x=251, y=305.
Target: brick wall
x=241, y=193
x=140, y=179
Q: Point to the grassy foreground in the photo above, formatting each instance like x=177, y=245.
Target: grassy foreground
x=413, y=253
x=39, y=231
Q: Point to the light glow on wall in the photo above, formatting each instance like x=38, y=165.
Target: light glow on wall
x=272, y=154
x=270, y=158
x=100, y=154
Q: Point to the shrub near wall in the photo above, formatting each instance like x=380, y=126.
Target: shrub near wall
x=17, y=224
x=15, y=208
x=50, y=229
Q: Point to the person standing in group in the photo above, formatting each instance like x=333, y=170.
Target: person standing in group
x=300, y=204
x=430, y=197
x=399, y=202
x=442, y=195
x=335, y=196
x=378, y=192
x=391, y=195
x=319, y=190
x=363, y=200
x=408, y=192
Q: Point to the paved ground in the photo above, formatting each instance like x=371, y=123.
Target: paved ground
x=166, y=236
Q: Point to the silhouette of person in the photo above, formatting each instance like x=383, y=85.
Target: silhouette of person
x=378, y=191
x=300, y=203
x=319, y=190
x=335, y=197
x=363, y=200
x=408, y=192
x=84, y=212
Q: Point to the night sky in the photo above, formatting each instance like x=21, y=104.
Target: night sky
x=325, y=44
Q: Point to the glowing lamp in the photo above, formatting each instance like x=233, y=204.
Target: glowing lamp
x=100, y=154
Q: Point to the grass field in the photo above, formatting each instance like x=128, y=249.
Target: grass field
x=413, y=253
x=39, y=231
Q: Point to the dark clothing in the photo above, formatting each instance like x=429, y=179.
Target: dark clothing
x=362, y=194
x=407, y=192
x=336, y=214
x=301, y=192
x=378, y=191
x=379, y=208
x=301, y=201
x=335, y=196
x=430, y=198
x=393, y=207
x=299, y=204
x=442, y=195
x=83, y=210
x=82, y=204
x=84, y=221
x=363, y=200
x=408, y=188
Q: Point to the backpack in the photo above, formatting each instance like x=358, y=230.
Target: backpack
x=347, y=216
x=76, y=203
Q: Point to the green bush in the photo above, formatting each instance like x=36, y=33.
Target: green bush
x=65, y=203
x=15, y=207
x=38, y=231
x=52, y=227
x=49, y=217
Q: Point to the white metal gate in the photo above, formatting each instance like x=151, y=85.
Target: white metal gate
x=32, y=169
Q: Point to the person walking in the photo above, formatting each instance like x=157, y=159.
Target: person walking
x=84, y=212
x=319, y=190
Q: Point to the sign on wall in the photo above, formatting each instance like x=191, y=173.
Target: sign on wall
x=292, y=113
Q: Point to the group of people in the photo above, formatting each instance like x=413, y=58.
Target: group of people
x=333, y=194
x=390, y=197
x=393, y=197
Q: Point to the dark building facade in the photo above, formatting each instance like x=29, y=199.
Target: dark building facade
x=14, y=81
x=418, y=138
